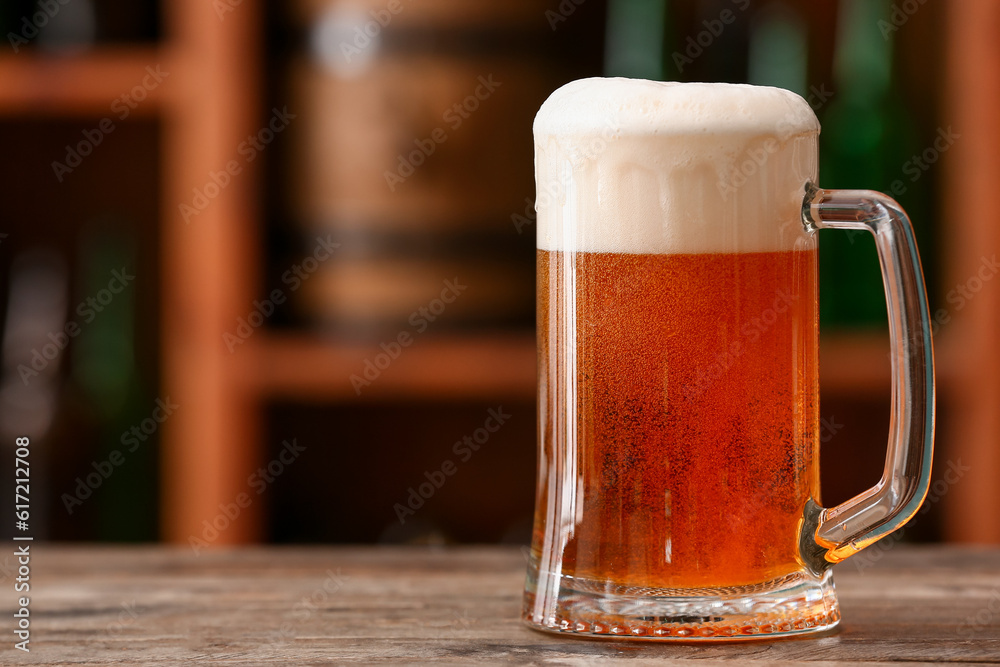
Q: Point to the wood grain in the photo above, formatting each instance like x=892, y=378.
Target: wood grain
x=971, y=236
x=488, y=365
x=210, y=264
x=151, y=606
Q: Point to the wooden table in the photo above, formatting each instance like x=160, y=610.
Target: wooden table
x=153, y=605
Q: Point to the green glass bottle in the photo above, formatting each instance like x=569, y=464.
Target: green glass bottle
x=865, y=141
x=634, y=46
x=104, y=369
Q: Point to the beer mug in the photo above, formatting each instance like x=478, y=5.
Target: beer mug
x=678, y=408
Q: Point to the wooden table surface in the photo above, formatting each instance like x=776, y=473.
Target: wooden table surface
x=304, y=605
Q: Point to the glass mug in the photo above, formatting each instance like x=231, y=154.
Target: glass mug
x=678, y=407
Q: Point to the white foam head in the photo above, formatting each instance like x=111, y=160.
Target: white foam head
x=633, y=166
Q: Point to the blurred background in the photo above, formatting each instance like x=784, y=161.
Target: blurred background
x=266, y=268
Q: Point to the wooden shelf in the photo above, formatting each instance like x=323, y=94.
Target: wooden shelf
x=855, y=364
x=971, y=431
x=78, y=85
x=216, y=101
x=312, y=368
x=440, y=367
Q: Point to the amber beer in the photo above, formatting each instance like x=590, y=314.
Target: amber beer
x=695, y=444
x=677, y=348
x=678, y=467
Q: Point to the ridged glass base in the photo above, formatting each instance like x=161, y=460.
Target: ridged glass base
x=798, y=603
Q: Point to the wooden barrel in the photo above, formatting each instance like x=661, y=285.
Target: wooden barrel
x=389, y=292
x=425, y=142
x=438, y=15
x=413, y=131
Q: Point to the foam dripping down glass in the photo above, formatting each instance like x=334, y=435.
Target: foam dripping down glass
x=678, y=395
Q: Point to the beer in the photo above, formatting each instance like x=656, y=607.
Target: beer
x=678, y=468
x=677, y=351
x=691, y=442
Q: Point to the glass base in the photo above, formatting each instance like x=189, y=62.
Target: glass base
x=798, y=603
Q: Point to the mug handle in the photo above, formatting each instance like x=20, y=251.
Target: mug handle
x=832, y=535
